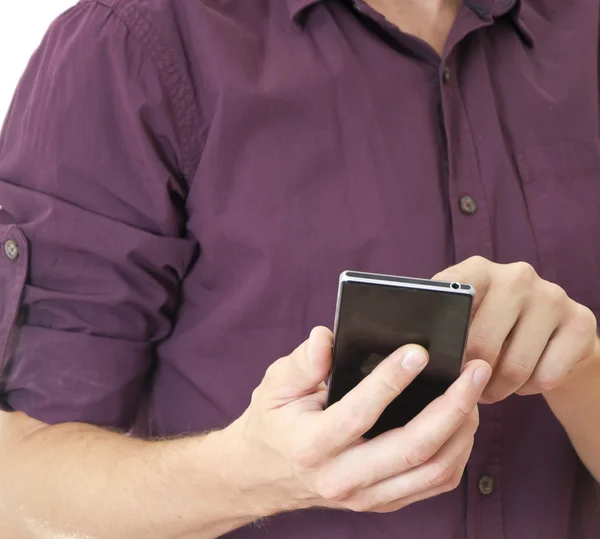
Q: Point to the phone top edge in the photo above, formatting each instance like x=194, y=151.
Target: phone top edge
x=350, y=276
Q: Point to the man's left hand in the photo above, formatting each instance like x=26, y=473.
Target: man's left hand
x=532, y=334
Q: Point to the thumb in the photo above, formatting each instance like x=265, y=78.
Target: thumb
x=304, y=369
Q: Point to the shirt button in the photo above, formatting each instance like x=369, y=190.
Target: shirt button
x=446, y=74
x=11, y=249
x=486, y=485
x=468, y=205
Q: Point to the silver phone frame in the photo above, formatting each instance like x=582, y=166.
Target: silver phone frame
x=396, y=281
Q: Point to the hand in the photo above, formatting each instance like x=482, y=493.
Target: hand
x=303, y=456
x=532, y=334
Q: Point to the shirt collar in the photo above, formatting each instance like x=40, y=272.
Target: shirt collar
x=493, y=9
x=298, y=8
x=486, y=9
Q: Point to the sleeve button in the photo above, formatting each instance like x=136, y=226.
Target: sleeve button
x=11, y=248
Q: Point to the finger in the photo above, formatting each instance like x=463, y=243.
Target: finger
x=441, y=474
x=303, y=370
x=399, y=450
x=494, y=321
x=397, y=505
x=348, y=419
x=571, y=346
x=473, y=271
x=525, y=346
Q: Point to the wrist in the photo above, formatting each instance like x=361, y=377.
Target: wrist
x=580, y=380
x=257, y=479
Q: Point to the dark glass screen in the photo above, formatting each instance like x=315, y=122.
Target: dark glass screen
x=375, y=319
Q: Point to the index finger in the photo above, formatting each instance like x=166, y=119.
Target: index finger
x=473, y=271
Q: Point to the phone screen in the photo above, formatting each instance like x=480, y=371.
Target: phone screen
x=373, y=320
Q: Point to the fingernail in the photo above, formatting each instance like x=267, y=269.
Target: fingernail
x=414, y=359
x=481, y=377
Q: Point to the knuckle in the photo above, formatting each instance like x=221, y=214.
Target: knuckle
x=584, y=330
x=455, y=481
x=589, y=348
x=482, y=347
x=362, y=504
x=521, y=274
x=584, y=320
x=273, y=370
x=514, y=372
x=555, y=295
x=332, y=489
x=390, y=383
x=461, y=409
x=476, y=261
x=353, y=422
x=546, y=381
x=257, y=395
x=305, y=455
x=440, y=474
x=420, y=453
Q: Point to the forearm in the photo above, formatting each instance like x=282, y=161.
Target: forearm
x=79, y=481
x=577, y=407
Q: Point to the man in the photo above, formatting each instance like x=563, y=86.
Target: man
x=182, y=183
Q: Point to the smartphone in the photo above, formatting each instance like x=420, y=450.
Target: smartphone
x=376, y=314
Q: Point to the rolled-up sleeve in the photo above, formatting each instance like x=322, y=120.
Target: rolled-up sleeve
x=92, y=223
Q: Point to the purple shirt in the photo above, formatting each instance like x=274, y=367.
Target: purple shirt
x=183, y=181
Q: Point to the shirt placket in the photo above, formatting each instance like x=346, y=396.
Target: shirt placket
x=485, y=516
x=472, y=235
x=471, y=229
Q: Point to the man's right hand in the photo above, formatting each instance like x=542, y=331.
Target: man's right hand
x=301, y=455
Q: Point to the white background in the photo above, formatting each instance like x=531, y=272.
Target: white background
x=23, y=23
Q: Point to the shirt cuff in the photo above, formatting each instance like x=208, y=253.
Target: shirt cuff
x=62, y=376
x=59, y=377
